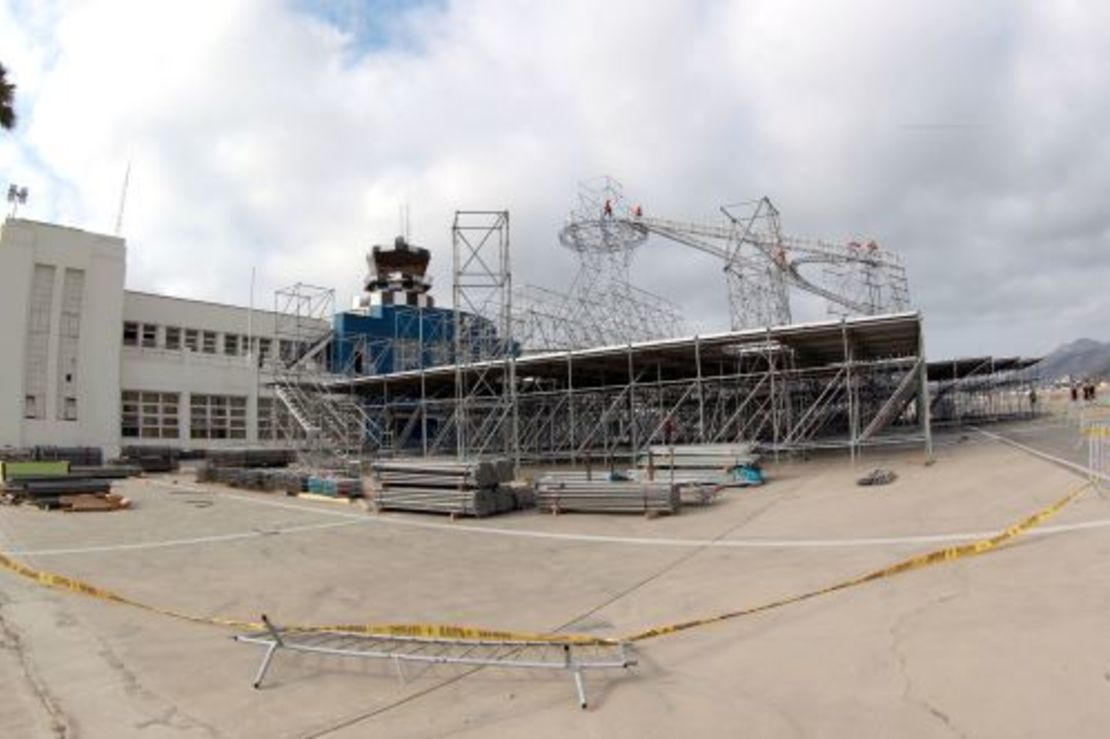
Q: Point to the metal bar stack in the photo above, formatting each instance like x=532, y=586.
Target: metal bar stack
x=699, y=465
x=579, y=492
x=251, y=457
x=477, y=488
x=718, y=457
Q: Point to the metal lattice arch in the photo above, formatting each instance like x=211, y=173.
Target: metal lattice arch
x=759, y=262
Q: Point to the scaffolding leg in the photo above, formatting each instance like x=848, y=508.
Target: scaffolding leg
x=581, y=686
x=269, y=652
x=576, y=671
x=265, y=665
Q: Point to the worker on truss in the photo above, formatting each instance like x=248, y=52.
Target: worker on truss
x=608, y=209
x=637, y=212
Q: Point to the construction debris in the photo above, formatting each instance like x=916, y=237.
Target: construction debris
x=574, y=491
x=878, y=476
x=457, y=488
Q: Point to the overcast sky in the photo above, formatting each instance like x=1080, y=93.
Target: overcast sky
x=971, y=137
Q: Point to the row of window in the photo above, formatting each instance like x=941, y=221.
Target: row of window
x=176, y=338
x=155, y=415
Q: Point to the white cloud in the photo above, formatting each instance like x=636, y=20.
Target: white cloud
x=961, y=135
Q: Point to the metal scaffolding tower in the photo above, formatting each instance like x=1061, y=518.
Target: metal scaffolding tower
x=485, y=413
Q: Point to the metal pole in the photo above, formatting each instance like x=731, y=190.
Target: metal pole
x=852, y=410
x=570, y=405
x=423, y=388
x=633, y=435
x=701, y=391
x=923, y=393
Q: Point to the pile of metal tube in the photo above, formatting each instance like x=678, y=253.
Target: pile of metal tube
x=598, y=493
x=477, y=488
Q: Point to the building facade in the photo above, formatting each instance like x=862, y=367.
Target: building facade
x=88, y=363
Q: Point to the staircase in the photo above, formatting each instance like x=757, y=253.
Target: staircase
x=336, y=429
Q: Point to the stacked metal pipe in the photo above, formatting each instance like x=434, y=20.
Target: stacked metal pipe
x=719, y=457
x=456, y=488
x=601, y=494
x=700, y=470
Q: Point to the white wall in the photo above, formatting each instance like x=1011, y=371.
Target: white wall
x=23, y=244
x=187, y=372
x=104, y=366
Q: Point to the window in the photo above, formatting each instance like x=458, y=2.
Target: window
x=231, y=345
x=263, y=348
x=130, y=334
x=192, y=342
x=209, y=342
x=30, y=406
x=69, y=409
x=149, y=415
x=150, y=336
x=218, y=416
x=173, y=338
x=275, y=422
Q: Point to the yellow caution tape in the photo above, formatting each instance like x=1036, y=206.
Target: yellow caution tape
x=471, y=633
x=948, y=554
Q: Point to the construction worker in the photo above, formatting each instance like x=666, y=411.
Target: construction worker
x=608, y=211
x=637, y=212
x=1033, y=400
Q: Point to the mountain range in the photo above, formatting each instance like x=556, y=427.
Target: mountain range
x=1077, y=360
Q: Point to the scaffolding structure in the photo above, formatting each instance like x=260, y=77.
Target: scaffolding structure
x=484, y=416
x=849, y=384
x=325, y=422
x=759, y=262
x=602, y=306
x=981, y=390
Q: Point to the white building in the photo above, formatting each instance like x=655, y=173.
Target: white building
x=88, y=363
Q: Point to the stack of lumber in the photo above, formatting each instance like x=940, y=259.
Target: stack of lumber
x=475, y=488
x=574, y=491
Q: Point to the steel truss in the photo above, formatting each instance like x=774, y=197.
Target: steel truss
x=484, y=418
x=601, y=306
x=767, y=386
x=760, y=263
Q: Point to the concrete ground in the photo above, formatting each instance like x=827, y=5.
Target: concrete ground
x=1013, y=643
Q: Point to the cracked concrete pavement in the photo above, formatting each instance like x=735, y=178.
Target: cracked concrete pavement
x=1013, y=643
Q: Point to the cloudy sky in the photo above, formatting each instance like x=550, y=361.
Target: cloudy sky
x=973, y=138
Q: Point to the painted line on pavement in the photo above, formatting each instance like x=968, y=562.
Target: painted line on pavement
x=351, y=518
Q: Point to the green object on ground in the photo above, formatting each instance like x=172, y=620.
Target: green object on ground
x=9, y=470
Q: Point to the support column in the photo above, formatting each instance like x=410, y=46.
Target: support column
x=923, y=394
x=701, y=391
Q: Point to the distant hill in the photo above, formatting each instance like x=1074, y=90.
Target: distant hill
x=1078, y=360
